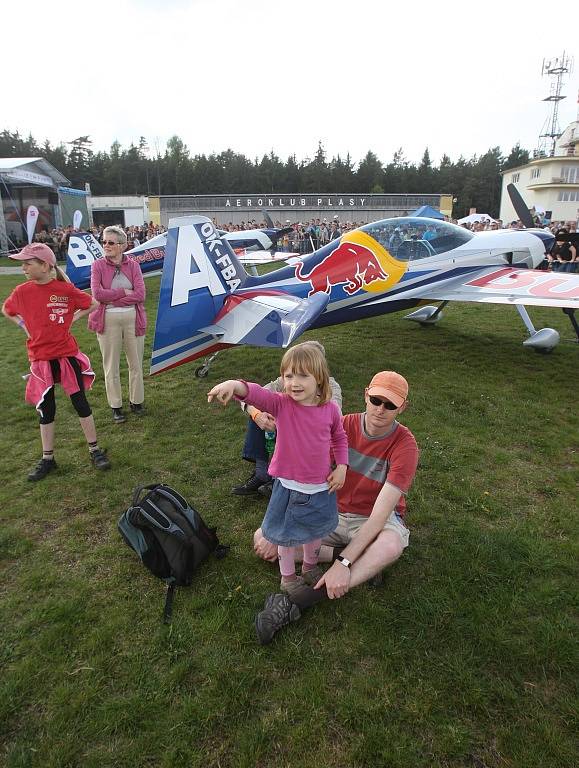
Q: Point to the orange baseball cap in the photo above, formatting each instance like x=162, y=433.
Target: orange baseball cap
x=389, y=385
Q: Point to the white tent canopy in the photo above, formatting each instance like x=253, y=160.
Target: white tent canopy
x=475, y=217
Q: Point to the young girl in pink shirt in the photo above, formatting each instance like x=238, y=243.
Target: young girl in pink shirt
x=302, y=509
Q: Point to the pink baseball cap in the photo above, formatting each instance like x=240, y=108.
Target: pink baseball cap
x=389, y=385
x=38, y=251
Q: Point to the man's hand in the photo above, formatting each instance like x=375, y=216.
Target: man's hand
x=224, y=392
x=264, y=548
x=265, y=421
x=336, y=580
x=337, y=478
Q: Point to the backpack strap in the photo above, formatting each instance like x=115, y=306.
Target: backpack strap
x=169, y=493
x=140, y=488
x=165, y=523
x=168, y=609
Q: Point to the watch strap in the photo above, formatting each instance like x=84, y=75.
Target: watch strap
x=344, y=561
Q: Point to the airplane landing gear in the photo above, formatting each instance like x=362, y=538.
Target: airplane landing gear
x=428, y=315
x=544, y=340
x=203, y=371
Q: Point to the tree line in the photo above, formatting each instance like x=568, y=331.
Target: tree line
x=474, y=182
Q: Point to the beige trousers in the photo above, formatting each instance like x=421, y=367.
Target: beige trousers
x=119, y=334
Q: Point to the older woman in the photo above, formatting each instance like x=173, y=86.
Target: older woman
x=120, y=320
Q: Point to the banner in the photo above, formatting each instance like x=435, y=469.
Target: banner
x=77, y=219
x=31, y=221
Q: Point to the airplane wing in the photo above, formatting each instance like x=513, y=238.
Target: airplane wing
x=265, y=318
x=256, y=258
x=505, y=285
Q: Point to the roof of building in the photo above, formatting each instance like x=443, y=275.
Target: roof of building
x=34, y=165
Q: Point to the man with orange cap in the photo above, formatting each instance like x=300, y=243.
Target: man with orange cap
x=371, y=534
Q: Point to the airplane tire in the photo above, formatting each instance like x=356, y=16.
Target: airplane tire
x=202, y=372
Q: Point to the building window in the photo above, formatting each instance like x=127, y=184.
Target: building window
x=515, y=177
x=569, y=174
x=535, y=173
x=566, y=196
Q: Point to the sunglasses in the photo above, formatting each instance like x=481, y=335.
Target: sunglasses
x=110, y=242
x=384, y=403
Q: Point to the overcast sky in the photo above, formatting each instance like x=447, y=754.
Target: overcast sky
x=257, y=76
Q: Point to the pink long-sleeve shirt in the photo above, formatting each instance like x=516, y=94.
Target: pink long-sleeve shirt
x=102, y=273
x=305, y=435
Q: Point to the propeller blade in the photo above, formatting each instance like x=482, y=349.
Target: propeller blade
x=267, y=218
x=520, y=206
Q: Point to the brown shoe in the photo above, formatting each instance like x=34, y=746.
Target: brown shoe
x=312, y=576
x=289, y=588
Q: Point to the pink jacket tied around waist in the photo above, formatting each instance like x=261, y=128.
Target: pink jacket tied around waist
x=41, y=379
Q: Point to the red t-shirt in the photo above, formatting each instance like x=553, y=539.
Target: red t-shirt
x=372, y=461
x=47, y=311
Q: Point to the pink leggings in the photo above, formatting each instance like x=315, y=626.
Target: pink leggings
x=286, y=556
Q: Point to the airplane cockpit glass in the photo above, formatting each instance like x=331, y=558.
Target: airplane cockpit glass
x=412, y=238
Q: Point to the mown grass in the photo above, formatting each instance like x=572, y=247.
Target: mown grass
x=464, y=656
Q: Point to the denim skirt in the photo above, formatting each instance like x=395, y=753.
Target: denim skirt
x=293, y=517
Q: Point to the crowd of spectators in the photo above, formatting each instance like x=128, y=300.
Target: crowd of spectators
x=300, y=237
x=57, y=239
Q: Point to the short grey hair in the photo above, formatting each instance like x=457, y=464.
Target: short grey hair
x=118, y=231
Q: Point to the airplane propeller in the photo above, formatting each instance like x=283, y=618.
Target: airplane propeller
x=520, y=207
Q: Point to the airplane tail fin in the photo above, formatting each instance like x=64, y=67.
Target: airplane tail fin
x=200, y=270
x=83, y=250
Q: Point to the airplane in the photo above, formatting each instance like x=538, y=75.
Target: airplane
x=208, y=302
x=253, y=247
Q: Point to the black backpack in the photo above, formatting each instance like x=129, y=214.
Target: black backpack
x=169, y=536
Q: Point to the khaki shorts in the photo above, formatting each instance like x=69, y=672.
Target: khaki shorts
x=349, y=525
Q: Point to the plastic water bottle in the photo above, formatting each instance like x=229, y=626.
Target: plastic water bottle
x=269, y=443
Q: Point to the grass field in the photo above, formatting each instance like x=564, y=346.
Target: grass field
x=465, y=656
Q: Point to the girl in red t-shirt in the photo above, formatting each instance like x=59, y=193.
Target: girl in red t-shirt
x=45, y=307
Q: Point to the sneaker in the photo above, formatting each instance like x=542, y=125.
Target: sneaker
x=118, y=415
x=312, y=576
x=42, y=469
x=138, y=409
x=266, y=489
x=100, y=459
x=249, y=487
x=277, y=612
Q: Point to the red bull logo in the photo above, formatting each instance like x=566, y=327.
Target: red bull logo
x=358, y=263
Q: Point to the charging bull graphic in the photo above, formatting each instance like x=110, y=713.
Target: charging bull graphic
x=350, y=265
x=356, y=263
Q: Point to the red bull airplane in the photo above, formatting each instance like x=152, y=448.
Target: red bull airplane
x=208, y=302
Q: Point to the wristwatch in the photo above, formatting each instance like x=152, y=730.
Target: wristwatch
x=344, y=561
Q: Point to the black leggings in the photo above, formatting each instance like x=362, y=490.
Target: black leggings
x=79, y=401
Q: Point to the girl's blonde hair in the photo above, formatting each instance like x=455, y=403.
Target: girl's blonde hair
x=309, y=357
x=62, y=276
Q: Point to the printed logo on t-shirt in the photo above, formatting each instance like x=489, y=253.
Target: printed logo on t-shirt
x=58, y=307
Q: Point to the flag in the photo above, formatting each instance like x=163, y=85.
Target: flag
x=31, y=221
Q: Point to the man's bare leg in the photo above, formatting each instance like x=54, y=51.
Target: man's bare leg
x=384, y=550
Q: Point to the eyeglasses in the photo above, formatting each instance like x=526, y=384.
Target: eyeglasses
x=110, y=242
x=384, y=403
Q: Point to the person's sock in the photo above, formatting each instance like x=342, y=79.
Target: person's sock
x=93, y=447
x=48, y=455
x=305, y=596
x=337, y=551
x=261, y=470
